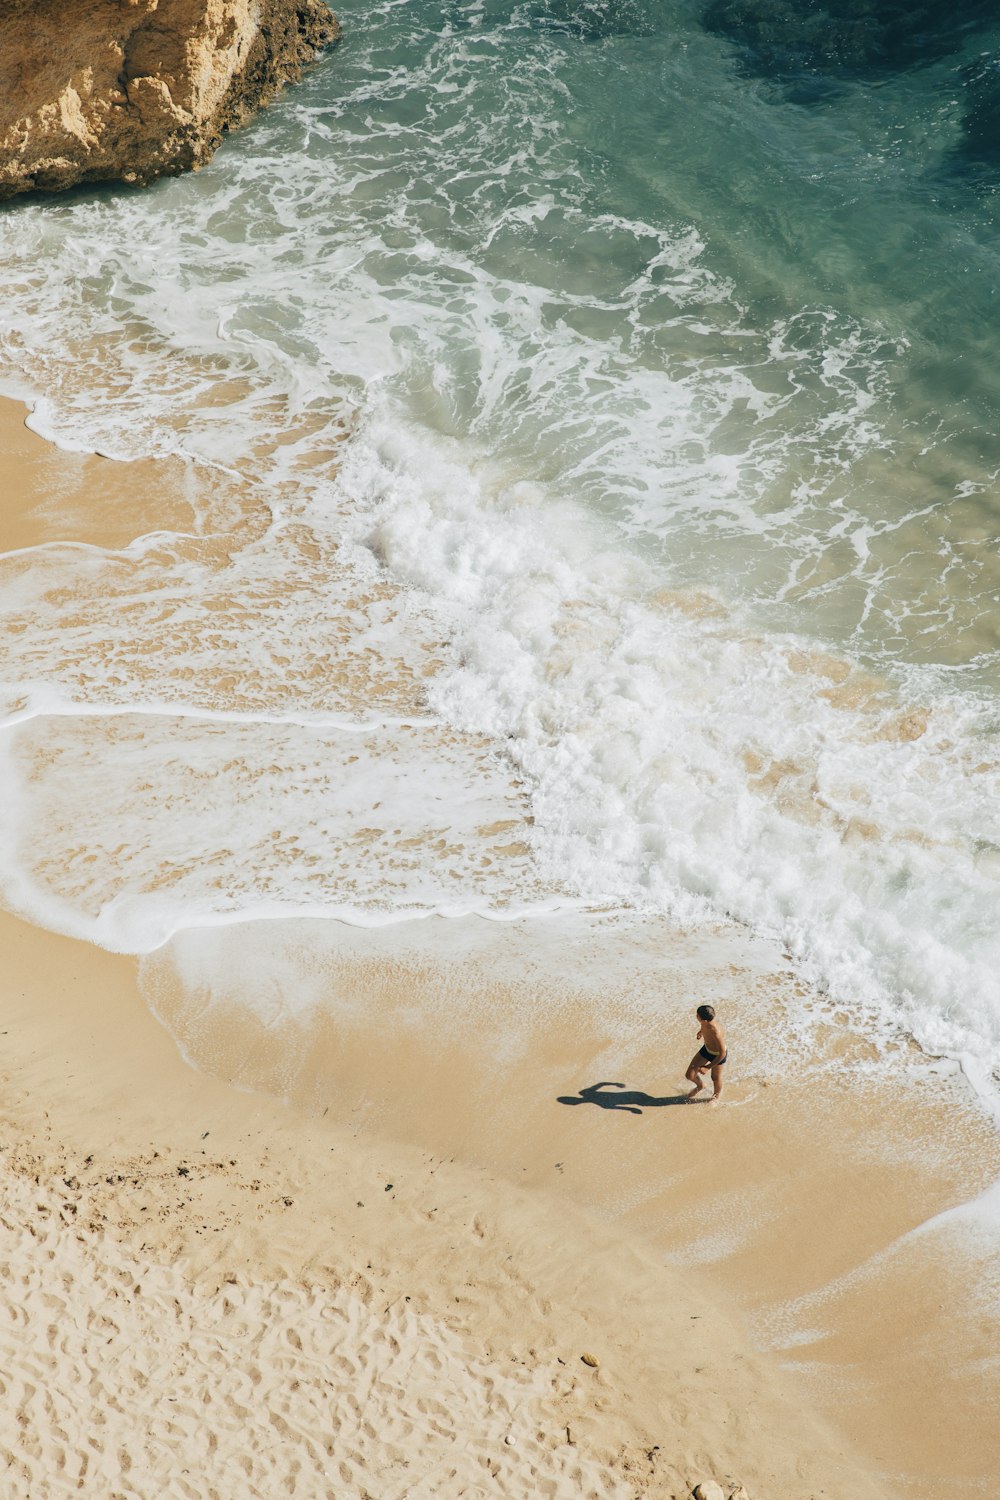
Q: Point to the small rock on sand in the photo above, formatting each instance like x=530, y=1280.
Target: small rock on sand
x=708, y=1489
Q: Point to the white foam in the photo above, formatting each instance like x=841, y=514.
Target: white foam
x=679, y=762
x=129, y=827
x=976, y=1223
x=621, y=510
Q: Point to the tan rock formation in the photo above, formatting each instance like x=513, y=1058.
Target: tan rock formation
x=134, y=89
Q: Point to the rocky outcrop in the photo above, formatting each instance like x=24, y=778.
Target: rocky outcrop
x=133, y=89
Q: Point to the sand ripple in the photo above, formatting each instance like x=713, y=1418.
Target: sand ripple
x=124, y=1379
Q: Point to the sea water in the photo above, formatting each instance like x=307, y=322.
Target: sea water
x=618, y=385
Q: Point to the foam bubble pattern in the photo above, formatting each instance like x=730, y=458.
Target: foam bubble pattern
x=132, y=826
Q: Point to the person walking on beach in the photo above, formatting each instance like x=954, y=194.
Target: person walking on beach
x=710, y=1057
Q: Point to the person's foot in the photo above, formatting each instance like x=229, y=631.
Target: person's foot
x=696, y=1090
x=714, y=1100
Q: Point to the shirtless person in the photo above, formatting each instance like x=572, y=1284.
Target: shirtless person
x=711, y=1056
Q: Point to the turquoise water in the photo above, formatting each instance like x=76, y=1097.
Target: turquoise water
x=655, y=345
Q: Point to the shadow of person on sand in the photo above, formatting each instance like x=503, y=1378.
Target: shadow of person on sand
x=632, y=1101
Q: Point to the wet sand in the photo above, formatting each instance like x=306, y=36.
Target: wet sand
x=50, y=495
x=208, y=1292
x=800, y=1200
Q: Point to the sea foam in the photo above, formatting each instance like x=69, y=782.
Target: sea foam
x=570, y=512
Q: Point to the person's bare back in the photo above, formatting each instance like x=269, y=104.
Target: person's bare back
x=710, y=1057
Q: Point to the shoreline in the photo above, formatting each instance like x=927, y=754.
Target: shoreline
x=756, y=1218
x=208, y=1192
x=804, y=1200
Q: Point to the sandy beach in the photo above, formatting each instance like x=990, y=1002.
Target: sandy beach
x=211, y=1293
x=359, y=1248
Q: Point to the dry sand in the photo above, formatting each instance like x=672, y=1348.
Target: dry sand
x=207, y=1291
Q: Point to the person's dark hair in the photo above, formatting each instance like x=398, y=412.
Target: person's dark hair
x=706, y=1013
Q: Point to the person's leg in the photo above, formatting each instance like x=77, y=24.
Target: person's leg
x=716, y=1083
x=695, y=1074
